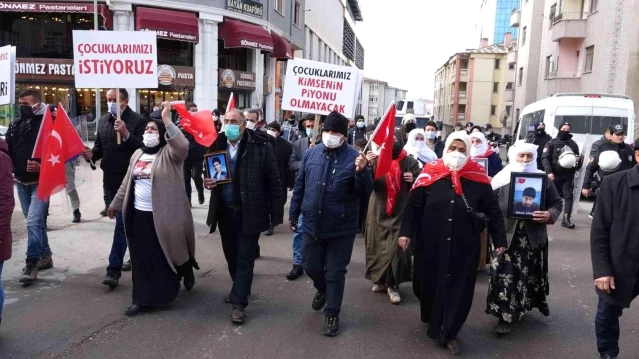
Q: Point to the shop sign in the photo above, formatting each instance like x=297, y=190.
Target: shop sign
x=232, y=79
x=46, y=7
x=7, y=74
x=44, y=69
x=247, y=7
x=169, y=75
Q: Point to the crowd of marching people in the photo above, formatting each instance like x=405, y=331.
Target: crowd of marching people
x=430, y=211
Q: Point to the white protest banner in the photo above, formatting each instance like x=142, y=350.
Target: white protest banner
x=320, y=88
x=115, y=59
x=7, y=74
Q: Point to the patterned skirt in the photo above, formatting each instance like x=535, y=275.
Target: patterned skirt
x=518, y=279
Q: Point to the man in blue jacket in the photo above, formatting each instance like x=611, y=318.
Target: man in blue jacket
x=332, y=179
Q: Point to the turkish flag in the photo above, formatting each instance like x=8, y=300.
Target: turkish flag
x=199, y=124
x=384, y=137
x=231, y=104
x=43, y=134
x=73, y=145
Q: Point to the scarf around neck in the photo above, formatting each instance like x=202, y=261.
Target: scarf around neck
x=436, y=170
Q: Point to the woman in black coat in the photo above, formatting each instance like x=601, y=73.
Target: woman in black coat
x=441, y=216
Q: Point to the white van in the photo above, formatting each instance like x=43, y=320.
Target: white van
x=587, y=113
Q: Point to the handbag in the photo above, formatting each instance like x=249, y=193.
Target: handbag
x=478, y=215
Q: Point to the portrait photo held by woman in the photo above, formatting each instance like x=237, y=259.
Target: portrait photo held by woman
x=518, y=280
x=387, y=266
x=157, y=216
x=448, y=200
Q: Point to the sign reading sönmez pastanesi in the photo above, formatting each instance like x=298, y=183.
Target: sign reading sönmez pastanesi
x=115, y=59
x=7, y=74
x=320, y=88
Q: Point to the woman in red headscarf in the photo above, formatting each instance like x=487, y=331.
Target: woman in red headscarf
x=441, y=219
x=387, y=266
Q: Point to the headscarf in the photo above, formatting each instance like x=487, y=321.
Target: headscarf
x=503, y=177
x=395, y=176
x=483, y=150
x=436, y=170
x=423, y=153
x=162, y=132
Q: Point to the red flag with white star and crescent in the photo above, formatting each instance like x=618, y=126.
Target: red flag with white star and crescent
x=384, y=137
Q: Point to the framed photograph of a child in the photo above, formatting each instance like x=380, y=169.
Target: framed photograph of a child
x=527, y=194
x=483, y=162
x=217, y=167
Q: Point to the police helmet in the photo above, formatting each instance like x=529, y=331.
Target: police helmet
x=567, y=160
x=609, y=160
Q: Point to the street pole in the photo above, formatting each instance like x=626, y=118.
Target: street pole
x=98, y=101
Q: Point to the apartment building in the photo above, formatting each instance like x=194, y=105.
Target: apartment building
x=373, y=98
x=476, y=86
x=494, y=19
x=393, y=94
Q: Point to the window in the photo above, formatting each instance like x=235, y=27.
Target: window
x=372, y=111
x=497, y=64
x=521, y=76
x=511, y=66
x=508, y=109
x=495, y=86
x=528, y=119
x=590, y=57
x=553, y=13
x=493, y=110
x=297, y=14
x=279, y=6
x=517, y=113
x=523, y=35
x=593, y=6
x=509, y=85
x=548, y=67
x=234, y=59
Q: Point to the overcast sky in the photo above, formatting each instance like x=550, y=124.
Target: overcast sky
x=406, y=41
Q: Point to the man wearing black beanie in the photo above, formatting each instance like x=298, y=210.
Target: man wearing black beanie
x=332, y=180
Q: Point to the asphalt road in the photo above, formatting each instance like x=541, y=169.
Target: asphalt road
x=68, y=313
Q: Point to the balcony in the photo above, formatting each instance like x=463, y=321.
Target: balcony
x=563, y=81
x=512, y=57
x=509, y=95
x=568, y=25
x=515, y=18
x=461, y=117
x=462, y=97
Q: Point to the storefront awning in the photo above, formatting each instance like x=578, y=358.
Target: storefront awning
x=237, y=33
x=60, y=8
x=281, y=48
x=168, y=24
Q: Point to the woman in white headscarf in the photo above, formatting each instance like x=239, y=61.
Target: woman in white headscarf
x=441, y=218
x=481, y=149
x=417, y=148
x=519, y=279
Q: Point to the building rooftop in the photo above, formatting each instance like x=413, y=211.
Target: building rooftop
x=368, y=79
x=500, y=48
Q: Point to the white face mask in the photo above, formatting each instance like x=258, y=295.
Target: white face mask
x=455, y=160
x=430, y=135
x=331, y=141
x=420, y=144
x=271, y=132
x=251, y=125
x=524, y=167
x=151, y=140
x=478, y=150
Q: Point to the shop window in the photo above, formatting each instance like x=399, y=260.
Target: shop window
x=172, y=52
x=43, y=35
x=242, y=100
x=149, y=99
x=234, y=59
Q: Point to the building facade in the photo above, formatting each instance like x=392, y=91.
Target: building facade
x=494, y=20
x=373, y=99
x=206, y=49
x=392, y=94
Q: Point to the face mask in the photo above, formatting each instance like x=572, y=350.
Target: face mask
x=410, y=126
x=563, y=135
x=454, y=160
x=151, y=140
x=113, y=108
x=232, y=132
x=251, y=125
x=478, y=150
x=420, y=144
x=309, y=132
x=361, y=125
x=331, y=141
x=292, y=122
x=26, y=112
x=524, y=167
x=271, y=132
x=541, y=132
x=397, y=148
x=430, y=135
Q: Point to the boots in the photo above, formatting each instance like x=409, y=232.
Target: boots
x=77, y=216
x=46, y=262
x=30, y=272
x=566, y=222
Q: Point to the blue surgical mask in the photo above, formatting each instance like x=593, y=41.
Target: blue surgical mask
x=361, y=125
x=113, y=108
x=232, y=132
x=430, y=135
x=309, y=132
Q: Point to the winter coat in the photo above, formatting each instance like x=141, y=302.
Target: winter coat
x=355, y=134
x=283, y=151
x=626, y=154
x=257, y=189
x=115, y=158
x=7, y=202
x=171, y=209
x=439, y=147
x=328, y=192
x=614, y=235
x=550, y=157
x=299, y=148
x=21, y=138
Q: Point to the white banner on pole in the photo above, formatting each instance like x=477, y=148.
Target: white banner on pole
x=320, y=88
x=7, y=74
x=115, y=59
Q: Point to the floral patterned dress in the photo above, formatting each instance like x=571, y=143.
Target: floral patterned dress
x=518, y=280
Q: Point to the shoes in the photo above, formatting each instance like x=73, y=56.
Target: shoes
x=30, y=272
x=126, y=266
x=134, y=310
x=46, y=262
x=257, y=254
x=566, y=222
x=453, y=347
x=238, y=314
x=502, y=328
x=608, y=356
x=378, y=288
x=200, y=197
x=189, y=280
x=394, y=296
x=269, y=232
x=319, y=301
x=112, y=280
x=77, y=216
x=295, y=273
x=104, y=212
x=331, y=326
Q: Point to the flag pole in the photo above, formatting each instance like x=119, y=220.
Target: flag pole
x=392, y=104
x=117, y=100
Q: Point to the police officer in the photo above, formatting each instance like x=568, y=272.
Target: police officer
x=612, y=156
x=539, y=137
x=560, y=158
